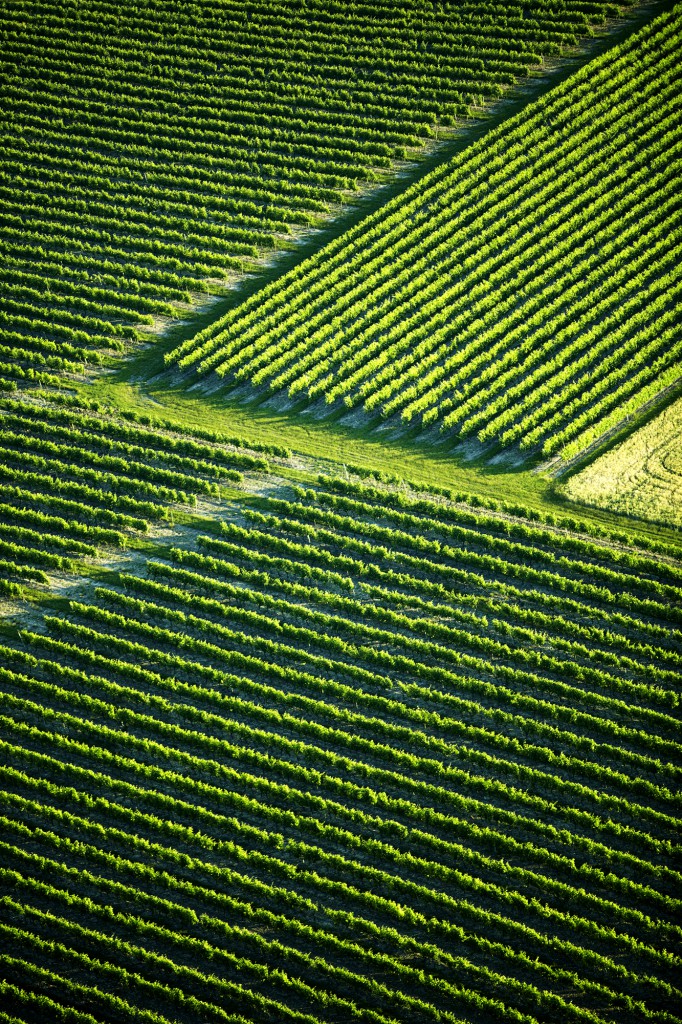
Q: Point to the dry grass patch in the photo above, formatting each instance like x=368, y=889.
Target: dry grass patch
x=642, y=476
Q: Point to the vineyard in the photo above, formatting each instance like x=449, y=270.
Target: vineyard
x=75, y=484
x=354, y=755
x=525, y=293
x=303, y=716
x=151, y=152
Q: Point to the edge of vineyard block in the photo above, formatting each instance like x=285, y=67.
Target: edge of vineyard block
x=147, y=365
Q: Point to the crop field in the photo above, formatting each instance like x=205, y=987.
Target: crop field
x=642, y=476
x=524, y=293
x=354, y=755
x=152, y=151
x=321, y=700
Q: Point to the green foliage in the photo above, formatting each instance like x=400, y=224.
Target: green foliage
x=351, y=750
x=151, y=154
x=522, y=293
x=362, y=753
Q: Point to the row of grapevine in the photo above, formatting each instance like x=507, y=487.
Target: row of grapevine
x=75, y=480
x=149, y=153
x=361, y=754
x=525, y=293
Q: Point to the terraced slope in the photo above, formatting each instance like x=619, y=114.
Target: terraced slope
x=358, y=757
x=526, y=293
x=151, y=150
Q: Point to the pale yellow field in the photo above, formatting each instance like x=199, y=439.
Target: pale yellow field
x=640, y=477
